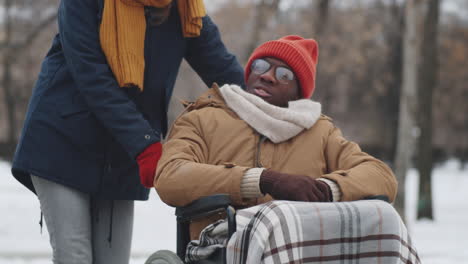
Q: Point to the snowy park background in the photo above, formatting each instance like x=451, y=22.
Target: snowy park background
x=362, y=72
x=442, y=241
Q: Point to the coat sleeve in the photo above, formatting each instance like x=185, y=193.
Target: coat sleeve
x=183, y=173
x=208, y=56
x=357, y=173
x=79, y=35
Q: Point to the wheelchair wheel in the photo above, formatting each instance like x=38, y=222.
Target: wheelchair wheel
x=164, y=257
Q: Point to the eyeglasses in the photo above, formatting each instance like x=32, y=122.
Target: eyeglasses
x=282, y=74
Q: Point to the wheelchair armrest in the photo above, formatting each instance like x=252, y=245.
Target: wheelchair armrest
x=199, y=208
x=203, y=207
x=377, y=197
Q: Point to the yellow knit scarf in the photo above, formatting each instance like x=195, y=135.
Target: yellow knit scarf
x=122, y=34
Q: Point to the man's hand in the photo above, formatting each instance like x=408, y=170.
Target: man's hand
x=148, y=162
x=292, y=187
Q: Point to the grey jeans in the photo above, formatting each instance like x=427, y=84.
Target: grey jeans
x=83, y=229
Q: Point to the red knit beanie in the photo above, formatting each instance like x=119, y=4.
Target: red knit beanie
x=298, y=53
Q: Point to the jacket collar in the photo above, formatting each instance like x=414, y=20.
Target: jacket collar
x=211, y=97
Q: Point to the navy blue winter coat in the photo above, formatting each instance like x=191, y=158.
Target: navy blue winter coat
x=82, y=130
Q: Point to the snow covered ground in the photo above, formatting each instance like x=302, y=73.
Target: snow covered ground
x=443, y=241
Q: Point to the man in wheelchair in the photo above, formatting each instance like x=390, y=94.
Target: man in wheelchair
x=271, y=142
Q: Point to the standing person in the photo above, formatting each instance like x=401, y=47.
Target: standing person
x=91, y=138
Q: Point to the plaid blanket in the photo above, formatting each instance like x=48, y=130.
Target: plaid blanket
x=295, y=232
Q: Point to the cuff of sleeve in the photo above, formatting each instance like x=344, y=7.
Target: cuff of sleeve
x=335, y=189
x=250, y=184
x=140, y=143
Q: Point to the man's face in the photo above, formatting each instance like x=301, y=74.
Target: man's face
x=273, y=81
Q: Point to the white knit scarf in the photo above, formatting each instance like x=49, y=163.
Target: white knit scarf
x=276, y=123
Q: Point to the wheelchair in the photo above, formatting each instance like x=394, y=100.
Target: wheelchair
x=200, y=208
x=203, y=207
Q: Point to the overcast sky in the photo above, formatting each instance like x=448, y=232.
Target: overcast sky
x=448, y=6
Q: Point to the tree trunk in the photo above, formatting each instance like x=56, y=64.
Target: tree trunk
x=6, y=81
x=321, y=17
x=427, y=83
x=320, y=25
x=407, y=130
x=263, y=10
x=396, y=64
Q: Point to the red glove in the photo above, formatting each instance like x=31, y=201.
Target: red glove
x=148, y=162
x=292, y=187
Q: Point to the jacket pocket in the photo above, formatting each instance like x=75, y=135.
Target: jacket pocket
x=82, y=127
x=73, y=107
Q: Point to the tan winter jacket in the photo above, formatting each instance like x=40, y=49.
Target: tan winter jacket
x=210, y=148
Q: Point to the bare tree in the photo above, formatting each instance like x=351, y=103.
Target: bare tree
x=321, y=18
x=407, y=130
x=427, y=83
x=13, y=47
x=395, y=55
x=320, y=27
x=6, y=81
x=264, y=9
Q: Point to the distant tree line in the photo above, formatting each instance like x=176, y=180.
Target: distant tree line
x=360, y=65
